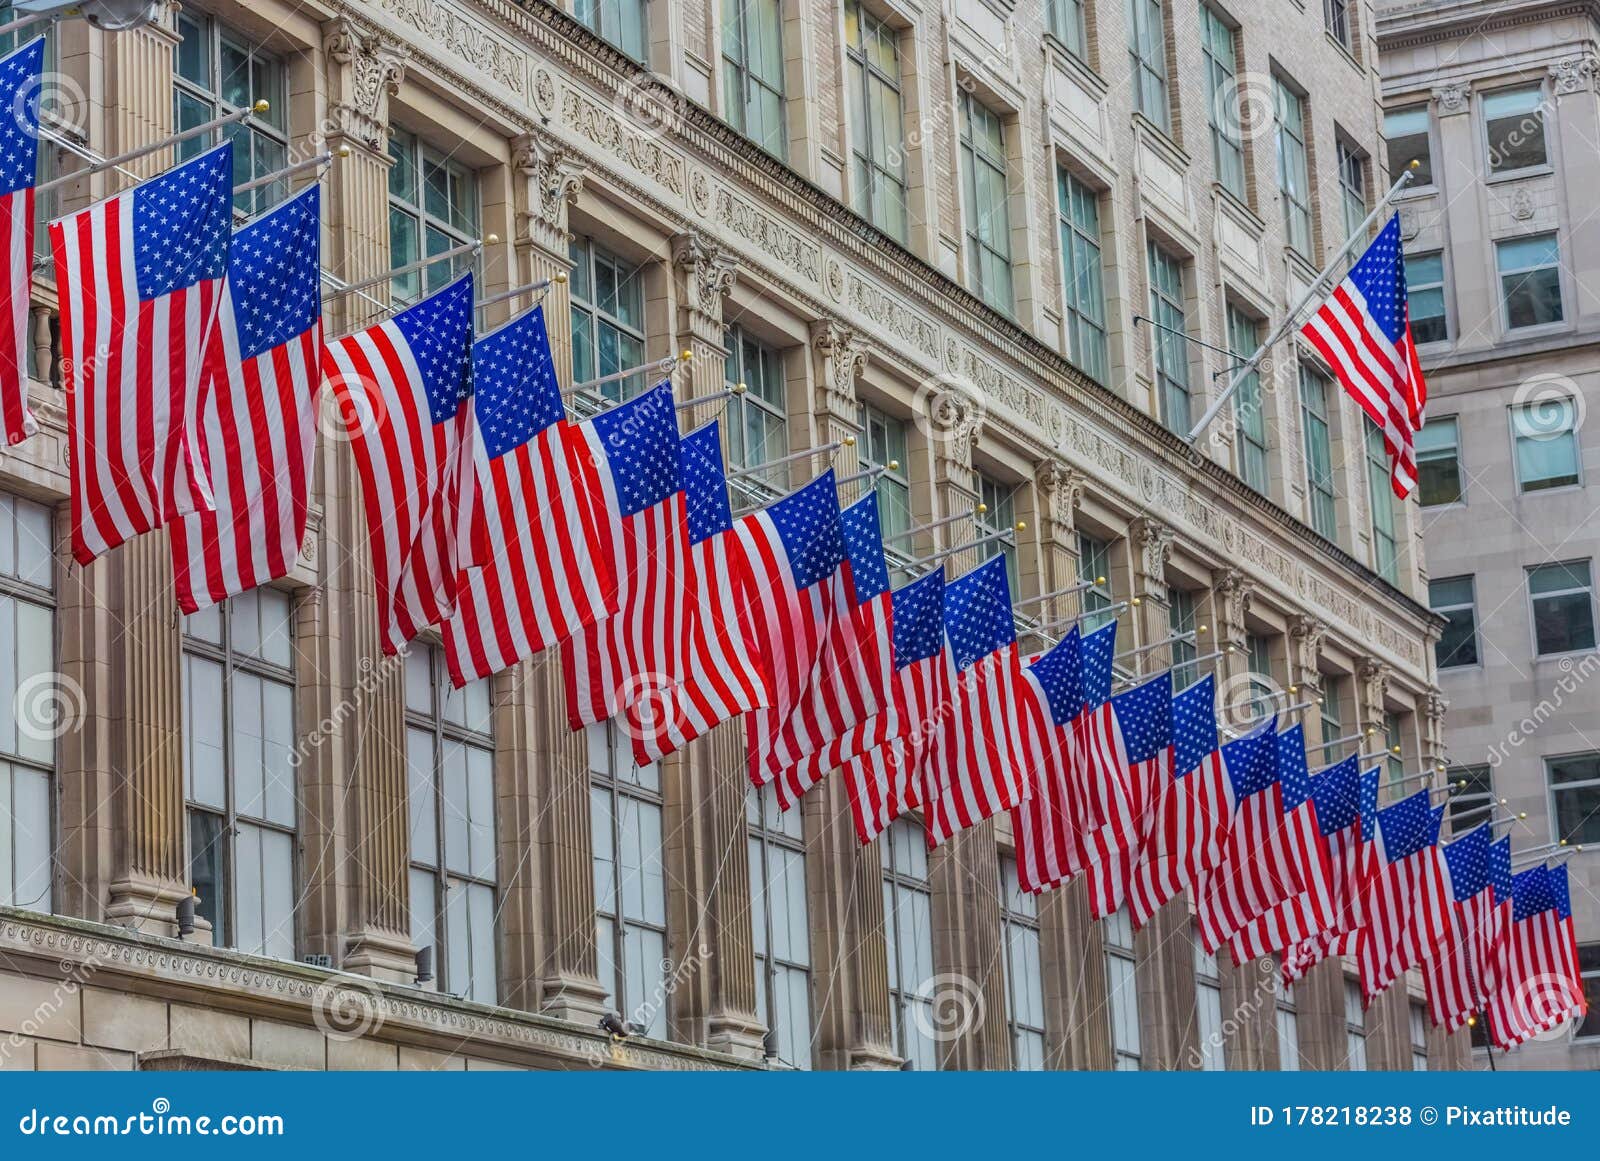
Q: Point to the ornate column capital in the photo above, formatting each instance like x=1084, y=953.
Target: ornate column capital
x=1453, y=98
x=1231, y=590
x=1061, y=491
x=1306, y=634
x=551, y=177
x=1574, y=74
x=843, y=356
x=710, y=272
x=370, y=72
x=1151, y=541
x=1373, y=674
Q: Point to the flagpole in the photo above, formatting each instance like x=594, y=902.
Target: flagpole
x=807, y=453
x=1249, y=365
x=935, y=557
x=1172, y=640
x=891, y=466
x=215, y=123
x=932, y=524
x=556, y=279
x=1066, y=592
x=662, y=366
x=1109, y=610
x=1358, y=737
x=409, y=267
x=57, y=137
x=25, y=21
x=320, y=159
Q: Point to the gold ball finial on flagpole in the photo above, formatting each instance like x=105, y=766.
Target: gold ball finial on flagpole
x=559, y=278
x=1200, y=629
x=1022, y=526
x=982, y=508
x=1135, y=602
x=848, y=441
x=343, y=151
x=262, y=107
x=894, y=465
x=1416, y=164
x=685, y=355
x=738, y=388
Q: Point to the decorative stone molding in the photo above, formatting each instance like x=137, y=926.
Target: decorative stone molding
x=1574, y=74
x=1152, y=544
x=1409, y=224
x=1453, y=99
x=844, y=357
x=711, y=272
x=1522, y=204
x=1306, y=634
x=552, y=178
x=1061, y=490
x=1373, y=674
x=371, y=72
x=1231, y=589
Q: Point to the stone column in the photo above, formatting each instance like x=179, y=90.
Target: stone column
x=704, y=784
x=1072, y=954
x=1169, y=1027
x=844, y=879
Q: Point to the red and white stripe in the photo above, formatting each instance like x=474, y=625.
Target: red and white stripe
x=17, y=422
x=1352, y=863
x=1259, y=868
x=1048, y=823
x=888, y=780
x=1182, y=838
x=975, y=771
x=1298, y=854
x=133, y=376
x=1109, y=822
x=1456, y=975
x=1539, y=988
x=259, y=436
x=1407, y=916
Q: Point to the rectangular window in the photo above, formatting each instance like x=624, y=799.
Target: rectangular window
x=1405, y=135
x=884, y=442
x=1513, y=120
x=1332, y=716
x=908, y=936
x=1530, y=280
x=1208, y=1008
x=1294, y=181
x=1094, y=564
x=752, y=71
x=757, y=421
x=1575, y=790
x=239, y=776
x=451, y=802
x=630, y=882
x=1419, y=1038
x=1181, y=619
x=1288, y=1029
x=1355, y=1027
x=1453, y=598
x=1219, y=49
x=1320, y=510
x=1546, y=435
x=1067, y=25
x=607, y=296
x=1147, y=48
x=1122, y=990
x=1394, y=743
x=1563, y=607
x=28, y=680
x=1172, y=355
x=1425, y=297
x=1000, y=518
x=1078, y=214
x=876, y=116
x=217, y=71
x=1019, y=920
x=1439, y=462
x=622, y=22
x=1249, y=411
x=1589, y=967
x=1380, y=497
x=1336, y=15
x=433, y=207
x=779, y=923
x=1258, y=661
x=1472, y=798
x=983, y=175
x=1352, y=186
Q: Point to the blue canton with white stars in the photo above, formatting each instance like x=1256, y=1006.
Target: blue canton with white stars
x=1337, y=793
x=1145, y=715
x=1194, y=726
x=1500, y=870
x=1253, y=760
x=863, y=540
x=1293, y=772
x=1468, y=860
x=1058, y=672
x=918, y=610
x=515, y=395
x=182, y=224
x=1380, y=275
x=19, y=92
x=640, y=440
x=1370, y=781
x=1096, y=661
x=977, y=613
x=1407, y=827
x=705, y=485
x=1530, y=893
x=1560, y=891
x=275, y=274
x=439, y=332
x=808, y=525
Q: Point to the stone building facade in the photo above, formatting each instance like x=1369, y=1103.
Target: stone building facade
x=938, y=228
x=1500, y=99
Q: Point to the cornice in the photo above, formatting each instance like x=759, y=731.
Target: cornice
x=1429, y=22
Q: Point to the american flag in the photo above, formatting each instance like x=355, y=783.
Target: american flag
x=404, y=385
x=1295, y=857
x=140, y=278
x=976, y=771
x=1409, y=898
x=887, y=780
x=545, y=575
x=804, y=627
x=1049, y=824
x=1561, y=889
x=726, y=676
x=867, y=578
x=1185, y=826
x=1455, y=976
x=1347, y=812
x=1363, y=332
x=1100, y=771
x=260, y=420
x=1539, y=989
x=1142, y=724
x=643, y=647
x=20, y=85
x=1238, y=887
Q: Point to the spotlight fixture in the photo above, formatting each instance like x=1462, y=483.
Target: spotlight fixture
x=769, y=1044
x=186, y=907
x=425, y=964
x=615, y=1026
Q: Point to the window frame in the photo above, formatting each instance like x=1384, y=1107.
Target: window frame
x=869, y=170
x=1002, y=297
x=1355, y=1025
x=1471, y=606
x=1227, y=140
x=1182, y=616
x=751, y=362
x=1553, y=789
x=1470, y=806
x=1095, y=598
x=1208, y=978
x=895, y=882
x=1425, y=455
x=1147, y=23
x=1594, y=623
x=1426, y=110
x=1011, y=919
x=1376, y=460
x=1066, y=21
x=870, y=454
x=737, y=72
x=1250, y=439
x=592, y=256
x=1522, y=273
x=1413, y=287
x=1351, y=164
x=1493, y=174
x=1123, y=952
x=1086, y=333
x=1318, y=490
x=1287, y=1015
x=765, y=838
x=1574, y=408
x=595, y=22
x=1589, y=977
x=420, y=154
x=1336, y=23
x=1169, y=308
x=1000, y=521
x=1297, y=210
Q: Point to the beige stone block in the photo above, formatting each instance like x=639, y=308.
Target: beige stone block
x=125, y=1022
x=77, y=1058
x=427, y=1060
x=43, y=1009
x=476, y=1065
x=287, y=1045
x=16, y=1054
x=205, y=1032
x=362, y=1055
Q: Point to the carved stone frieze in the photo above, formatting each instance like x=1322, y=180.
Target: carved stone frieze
x=1453, y=99
x=371, y=68
x=710, y=272
x=552, y=177
x=844, y=357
